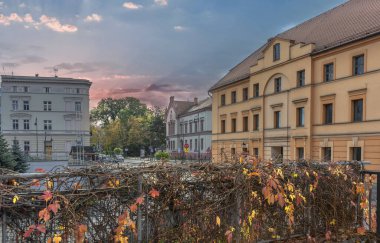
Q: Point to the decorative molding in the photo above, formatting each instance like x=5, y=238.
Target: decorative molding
x=328, y=97
x=256, y=108
x=21, y=115
x=357, y=92
x=279, y=105
x=299, y=101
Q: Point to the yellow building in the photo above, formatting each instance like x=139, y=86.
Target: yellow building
x=308, y=93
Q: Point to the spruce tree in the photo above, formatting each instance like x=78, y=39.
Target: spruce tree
x=21, y=164
x=6, y=158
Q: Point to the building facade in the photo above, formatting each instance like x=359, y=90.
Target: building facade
x=45, y=116
x=189, y=123
x=308, y=93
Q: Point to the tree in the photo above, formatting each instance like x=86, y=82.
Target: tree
x=18, y=156
x=6, y=158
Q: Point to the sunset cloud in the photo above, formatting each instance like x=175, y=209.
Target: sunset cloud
x=131, y=5
x=161, y=2
x=51, y=23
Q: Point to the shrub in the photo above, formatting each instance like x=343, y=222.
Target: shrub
x=117, y=150
x=162, y=155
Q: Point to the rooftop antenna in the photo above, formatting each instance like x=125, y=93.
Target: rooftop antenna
x=55, y=69
x=8, y=65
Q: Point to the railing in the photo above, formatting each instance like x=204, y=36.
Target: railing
x=372, y=191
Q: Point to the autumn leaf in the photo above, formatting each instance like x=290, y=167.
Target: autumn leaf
x=29, y=232
x=140, y=200
x=57, y=239
x=54, y=207
x=228, y=235
x=133, y=208
x=218, y=221
x=47, y=196
x=44, y=214
x=41, y=228
x=49, y=184
x=40, y=170
x=361, y=231
x=35, y=182
x=80, y=233
x=328, y=235
x=15, y=199
x=154, y=193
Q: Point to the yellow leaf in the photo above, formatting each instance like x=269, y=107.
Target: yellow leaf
x=241, y=159
x=15, y=199
x=254, y=194
x=57, y=239
x=218, y=221
x=311, y=188
x=333, y=222
x=50, y=184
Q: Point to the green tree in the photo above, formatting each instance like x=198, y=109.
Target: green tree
x=18, y=156
x=6, y=158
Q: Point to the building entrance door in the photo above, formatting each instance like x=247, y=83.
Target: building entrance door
x=48, y=150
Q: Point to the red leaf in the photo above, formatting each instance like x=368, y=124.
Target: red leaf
x=133, y=208
x=44, y=214
x=328, y=235
x=40, y=170
x=47, y=196
x=41, y=228
x=140, y=200
x=361, y=231
x=154, y=193
x=28, y=233
x=54, y=207
x=281, y=200
x=229, y=236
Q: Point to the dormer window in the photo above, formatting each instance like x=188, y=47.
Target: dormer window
x=276, y=52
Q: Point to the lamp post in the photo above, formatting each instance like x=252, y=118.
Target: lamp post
x=199, y=142
x=35, y=123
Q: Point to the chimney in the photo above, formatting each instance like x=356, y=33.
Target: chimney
x=171, y=99
x=196, y=100
x=37, y=74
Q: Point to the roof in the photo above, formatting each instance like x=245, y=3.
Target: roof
x=351, y=21
x=181, y=107
x=22, y=79
x=203, y=104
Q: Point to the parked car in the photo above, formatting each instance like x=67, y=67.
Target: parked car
x=119, y=158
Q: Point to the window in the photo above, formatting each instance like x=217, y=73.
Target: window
x=78, y=90
x=277, y=119
x=190, y=127
x=233, y=125
x=15, y=124
x=26, y=147
x=256, y=90
x=223, y=126
x=356, y=153
x=47, y=90
x=201, y=143
x=277, y=85
x=358, y=65
x=78, y=106
x=256, y=152
x=233, y=151
x=301, y=153
x=26, y=124
x=300, y=117
x=256, y=122
x=191, y=144
x=301, y=78
x=47, y=125
x=233, y=97
x=329, y=72
x=223, y=100
x=245, y=94
x=16, y=143
x=195, y=126
x=15, y=105
x=26, y=105
x=185, y=127
x=328, y=113
x=326, y=154
x=357, y=110
x=276, y=52
x=47, y=105
x=14, y=89
x=181, y=128
x=196, y=145
x=202, y=125
x=245, y=124
x=26, y=89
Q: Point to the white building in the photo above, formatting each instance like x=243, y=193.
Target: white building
x=189, y=123
x=46, y=116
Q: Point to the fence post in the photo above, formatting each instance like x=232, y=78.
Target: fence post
x=377, y=205
x=4, y=227
x=139, y=221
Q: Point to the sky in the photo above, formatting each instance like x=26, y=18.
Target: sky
x=148, y=49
